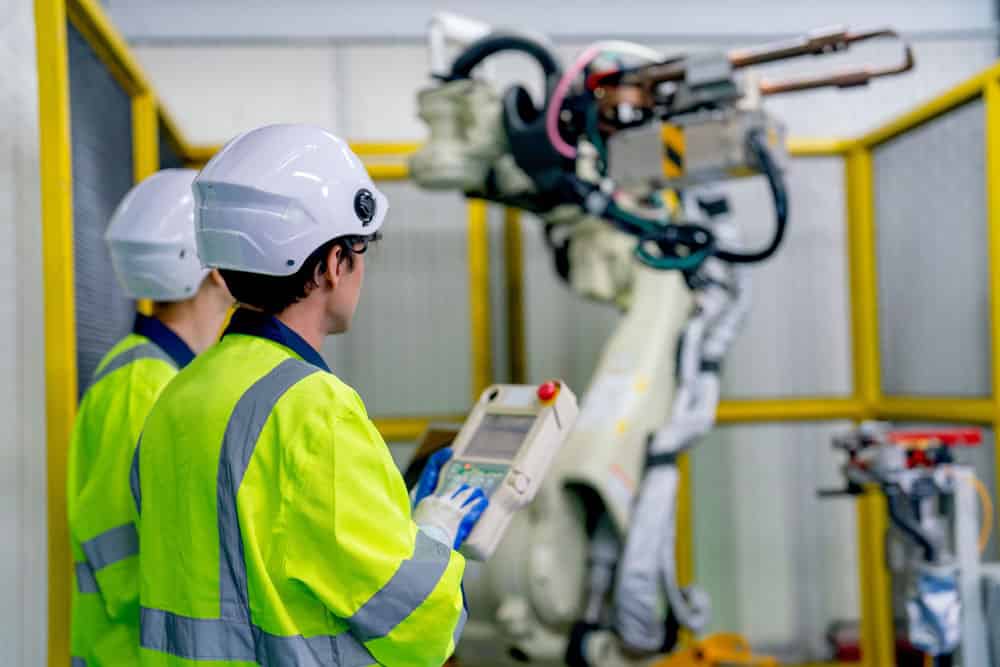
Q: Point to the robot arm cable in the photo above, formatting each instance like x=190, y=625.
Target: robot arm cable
x=986, y=519
x=685, y=247
x=586, y=57
x=896, y=502
x=776, y=181
x=496, y=42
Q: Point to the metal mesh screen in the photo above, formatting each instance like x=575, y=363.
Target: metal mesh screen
x=764, y=540
x=564, y=333
x=408, y=350
x=930, y=220
x=797, y=336
x=170, y=158
x=101, y=127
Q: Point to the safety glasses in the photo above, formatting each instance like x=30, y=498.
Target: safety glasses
x=359, y=244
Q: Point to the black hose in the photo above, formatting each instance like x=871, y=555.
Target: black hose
x=776, y=181
x=494, y=43
x=897, y=512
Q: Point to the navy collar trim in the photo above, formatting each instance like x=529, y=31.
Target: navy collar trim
x=262, y=325
x=164, y=338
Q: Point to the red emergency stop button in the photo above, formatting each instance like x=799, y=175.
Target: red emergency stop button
x=547, y=391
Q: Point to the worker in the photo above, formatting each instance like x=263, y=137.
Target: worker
x=152, y=246
x=275, y=528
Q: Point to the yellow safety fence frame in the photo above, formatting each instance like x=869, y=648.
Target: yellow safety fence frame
x=878, y=641
x=386, y=161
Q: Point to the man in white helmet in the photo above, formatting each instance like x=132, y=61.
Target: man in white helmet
x=275, y=528
x=151, y=239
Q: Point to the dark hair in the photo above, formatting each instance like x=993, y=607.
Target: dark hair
x=273, y=294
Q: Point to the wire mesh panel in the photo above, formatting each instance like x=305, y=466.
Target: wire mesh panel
x=764, y=540
x=170, y=157
x=797, y=335
x=101, y=127
x=564, y=333
x=408, y=350
x=796, y=340
x=930, y=217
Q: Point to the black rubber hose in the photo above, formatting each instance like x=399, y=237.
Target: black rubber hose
x=494, y=43
x=897, y=512
x=776, y=181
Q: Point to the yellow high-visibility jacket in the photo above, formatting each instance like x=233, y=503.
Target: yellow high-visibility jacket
x=105, y=626
x=274, y=527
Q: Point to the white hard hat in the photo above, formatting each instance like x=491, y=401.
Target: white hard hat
x=273, y=195
x=151, y=238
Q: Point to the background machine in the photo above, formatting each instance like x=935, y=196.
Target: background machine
x=618, y=161
x=936, y=535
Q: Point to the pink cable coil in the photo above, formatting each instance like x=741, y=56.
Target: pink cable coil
x=559, y=94
x=585, y=58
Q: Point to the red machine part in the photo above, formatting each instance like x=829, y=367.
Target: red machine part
x=949, y=437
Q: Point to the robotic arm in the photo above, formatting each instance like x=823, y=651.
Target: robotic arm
x=608, y=138
x=586, y=574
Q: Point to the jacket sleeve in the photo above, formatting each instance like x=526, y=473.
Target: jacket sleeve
x=103, y=514
x=356, y=547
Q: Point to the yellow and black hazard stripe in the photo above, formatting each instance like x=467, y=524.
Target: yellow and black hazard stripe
x=673, y=150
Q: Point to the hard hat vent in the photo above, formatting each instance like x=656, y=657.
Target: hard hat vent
x=364, y=206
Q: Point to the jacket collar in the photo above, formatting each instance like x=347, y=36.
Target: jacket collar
x=254, y=323
x=164, y=338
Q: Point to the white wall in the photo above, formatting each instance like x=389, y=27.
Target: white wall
x=368, y=92
x=22, y=399
x=764, y=542
x=396, y=20
x=217, y=92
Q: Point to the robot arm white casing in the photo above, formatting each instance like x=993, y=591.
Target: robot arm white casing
x=529, y=593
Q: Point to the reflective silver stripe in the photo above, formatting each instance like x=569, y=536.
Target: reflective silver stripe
x=77, y=662
x=143, y=351
x=457, y=635
x=112, y=546
x=221, y=639
x=405, y=591
x=196, y=638
x=133, y=477
x=85, y=581
x=342, y=650
x=238, y=443
x=352, y=652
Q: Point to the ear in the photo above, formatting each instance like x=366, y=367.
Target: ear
x=217, y=279
x=217, y=284
x=335, y=268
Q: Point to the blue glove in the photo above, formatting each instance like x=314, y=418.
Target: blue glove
x=474, y=504
x=431, y=472
x=450, y=519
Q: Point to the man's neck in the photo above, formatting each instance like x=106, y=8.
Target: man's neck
x=307, y=321
x=196, y=321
